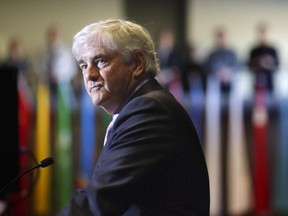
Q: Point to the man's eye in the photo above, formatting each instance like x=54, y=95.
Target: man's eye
x=100, y=63
x=83, y=66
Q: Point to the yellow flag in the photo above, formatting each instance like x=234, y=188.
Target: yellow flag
x=41, y=202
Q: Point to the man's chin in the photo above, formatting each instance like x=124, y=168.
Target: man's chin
x=95, y=101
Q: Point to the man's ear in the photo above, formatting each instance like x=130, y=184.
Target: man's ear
x=139, y=63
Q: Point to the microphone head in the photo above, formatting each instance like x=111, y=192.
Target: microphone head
x=46, y=162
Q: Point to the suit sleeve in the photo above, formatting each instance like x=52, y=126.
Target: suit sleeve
x=140, y=148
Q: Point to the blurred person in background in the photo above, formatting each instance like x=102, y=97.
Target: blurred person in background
x=169, y=58
x=56, y=68
x=16, y=56
x=191, y=68
x=222, y=61
x=221, y=120
x=194, y=85
x=56, y=64
x=263, y=58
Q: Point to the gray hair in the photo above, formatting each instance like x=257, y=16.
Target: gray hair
x=118, y=35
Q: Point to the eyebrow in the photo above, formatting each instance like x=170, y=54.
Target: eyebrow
x=100, y=55
x=80, y=62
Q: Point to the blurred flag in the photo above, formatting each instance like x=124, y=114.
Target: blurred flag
x=197, y=105
x=280, y=183
x=260, y=175
x=239, y=179
x=280, y=201
x=42, y=191
x=63, y=148
x=213, y=145
x=25, y=119
x=88, y=138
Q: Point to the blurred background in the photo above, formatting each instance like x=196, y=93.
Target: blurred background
x=225, y=61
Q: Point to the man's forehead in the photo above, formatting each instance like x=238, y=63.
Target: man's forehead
x=90, y=51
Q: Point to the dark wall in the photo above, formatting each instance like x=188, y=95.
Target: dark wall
x=158, y=14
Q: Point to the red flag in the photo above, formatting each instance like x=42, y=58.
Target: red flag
x=260, y=118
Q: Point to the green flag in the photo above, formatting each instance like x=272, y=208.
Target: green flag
x=63, y=149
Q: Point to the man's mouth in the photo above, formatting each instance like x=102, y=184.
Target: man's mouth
x=95, y=88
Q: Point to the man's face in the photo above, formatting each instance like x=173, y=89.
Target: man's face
x=107, y=78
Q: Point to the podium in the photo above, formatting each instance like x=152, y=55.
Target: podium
x=9, y=136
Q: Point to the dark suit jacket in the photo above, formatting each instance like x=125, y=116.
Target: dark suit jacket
x=152, y=163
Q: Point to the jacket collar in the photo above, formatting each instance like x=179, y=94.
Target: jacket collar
x=148, y=86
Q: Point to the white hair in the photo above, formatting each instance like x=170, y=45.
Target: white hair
x=123, y=36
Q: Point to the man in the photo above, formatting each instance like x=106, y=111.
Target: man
x=263, y=59
x=222, y=63
x=152, y=162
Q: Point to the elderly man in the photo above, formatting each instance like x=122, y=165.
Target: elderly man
x=152, y=162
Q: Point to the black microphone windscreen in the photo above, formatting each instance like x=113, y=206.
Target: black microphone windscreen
x=46, y=162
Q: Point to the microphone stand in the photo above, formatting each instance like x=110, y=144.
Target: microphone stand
x=44, y=163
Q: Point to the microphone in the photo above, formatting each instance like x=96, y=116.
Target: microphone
x=43, y=163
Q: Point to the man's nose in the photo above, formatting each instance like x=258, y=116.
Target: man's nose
x=92, y=72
